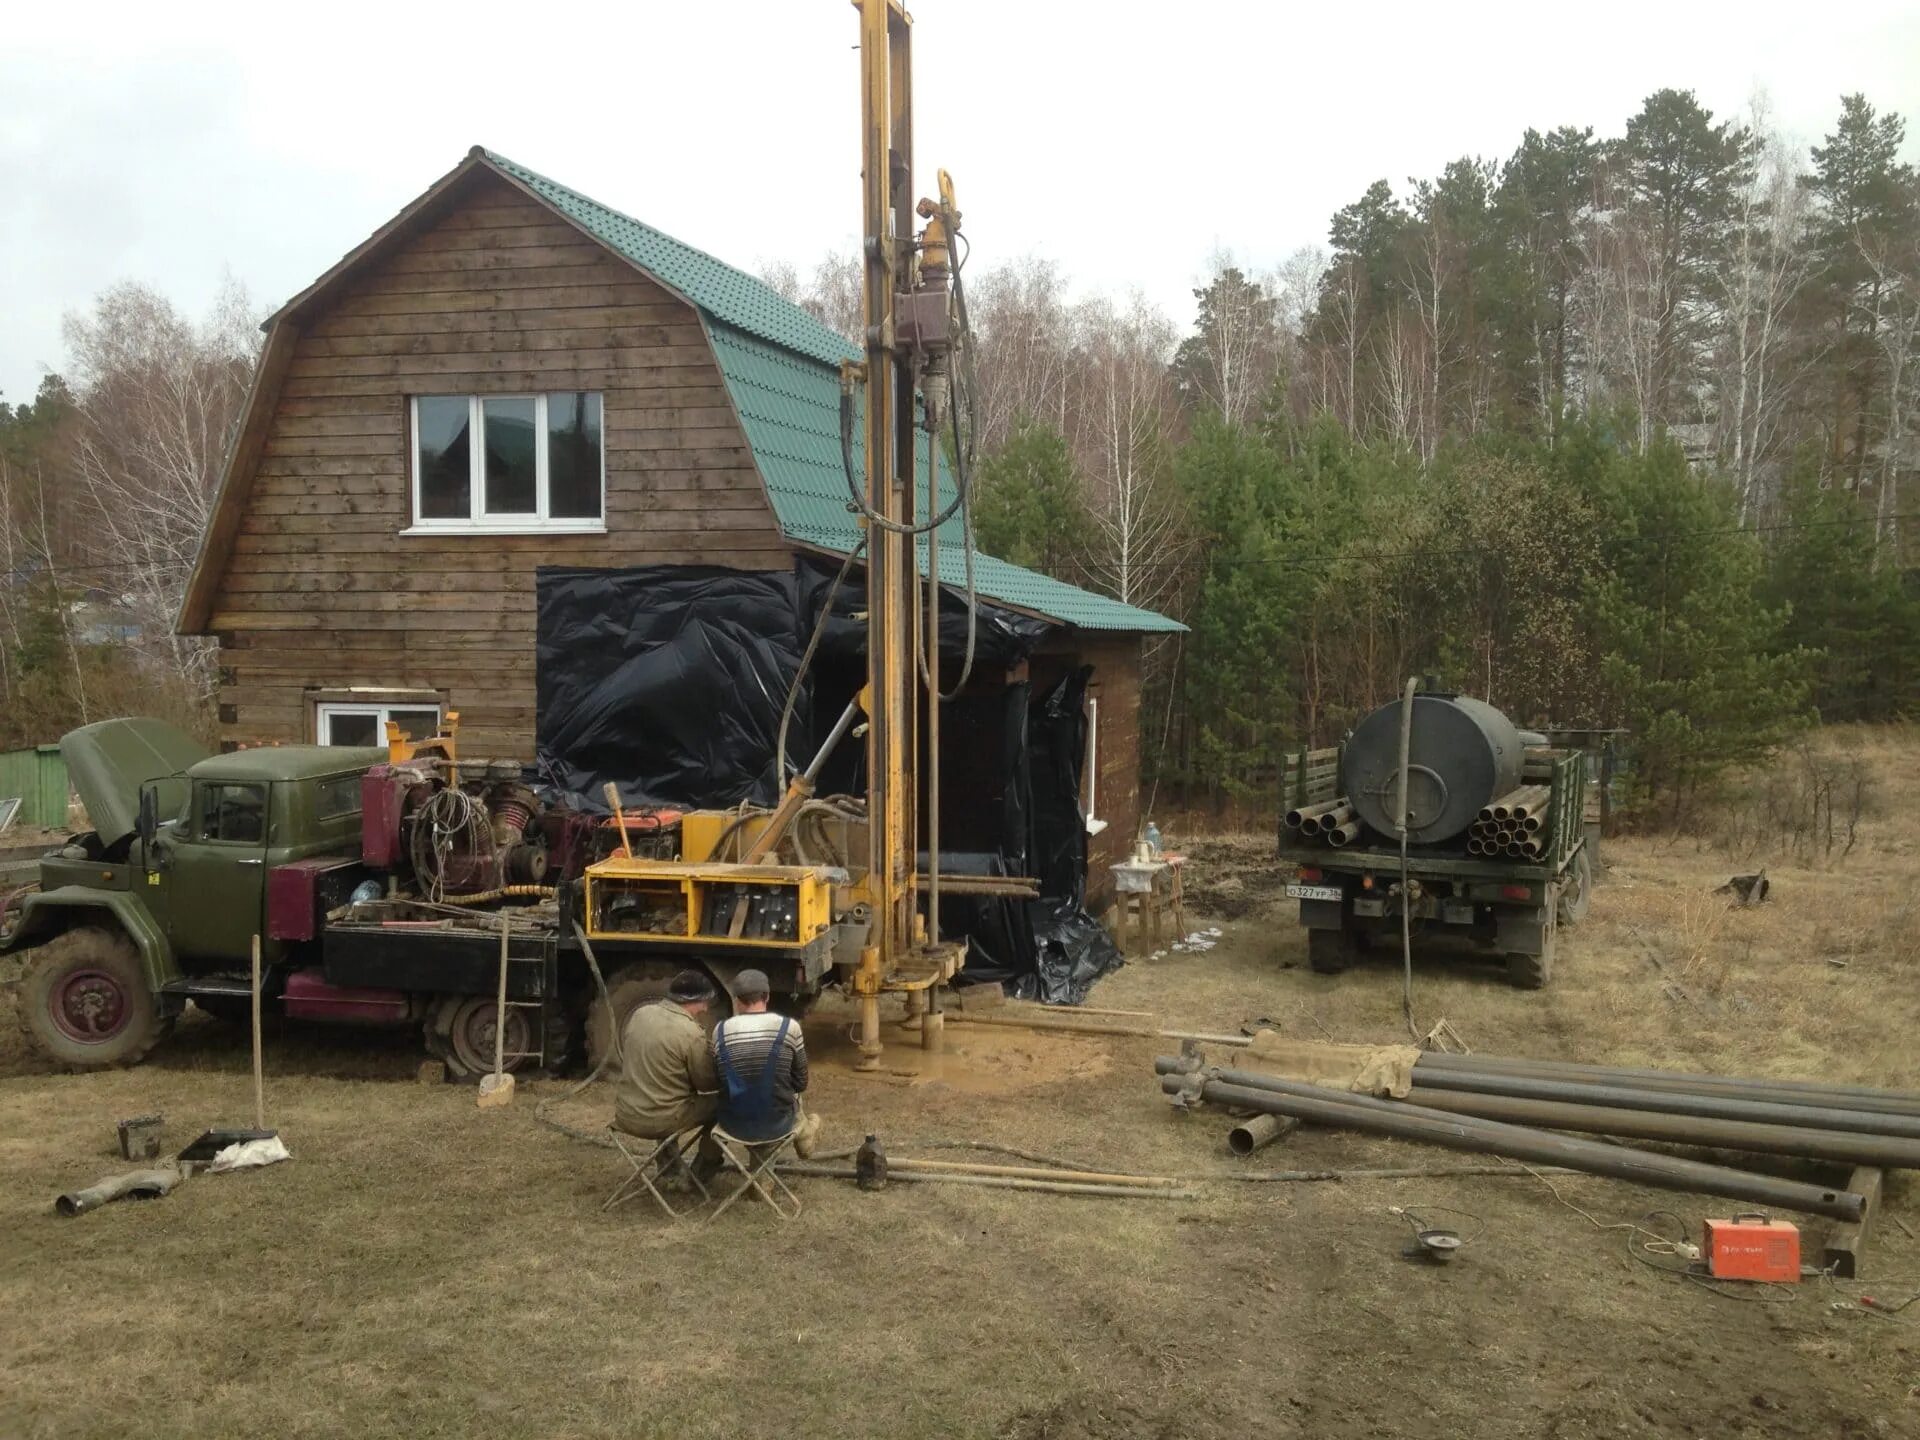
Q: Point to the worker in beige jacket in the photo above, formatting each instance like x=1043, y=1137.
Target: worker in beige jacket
x=667, y=1078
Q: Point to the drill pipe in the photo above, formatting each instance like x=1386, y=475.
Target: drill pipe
x=1297, y=819
x=1249, y=1135
x=1533, y=801
x=1252, y=1091
x=1886, y=1151
x=1671, y=1102
x=1344, y=834
x=1786, y=1092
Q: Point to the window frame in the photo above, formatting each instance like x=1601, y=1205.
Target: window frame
x=478, y=521
x=381, y=710
x=204, y=790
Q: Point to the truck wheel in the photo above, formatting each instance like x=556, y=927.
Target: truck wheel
x=460, y=1032
x=1578, y=889
x=86, y=1001
x=630, y=988
x=1529, y=972
x=627, y=991
x=1329, y=951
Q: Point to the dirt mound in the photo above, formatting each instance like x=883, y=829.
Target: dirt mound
x=1233, y=875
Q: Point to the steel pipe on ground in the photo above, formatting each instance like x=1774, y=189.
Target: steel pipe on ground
x=1886, y=1151
x=1392, y=1117
x=1674, y=1102
x=1249, y=1135
x=1850, y=1097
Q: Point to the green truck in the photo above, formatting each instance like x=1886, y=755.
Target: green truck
x=1500, y=845
x=379, y=888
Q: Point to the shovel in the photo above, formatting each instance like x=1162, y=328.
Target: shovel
x=497, y=1088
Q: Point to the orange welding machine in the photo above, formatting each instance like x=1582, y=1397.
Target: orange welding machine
x=1753, y=1247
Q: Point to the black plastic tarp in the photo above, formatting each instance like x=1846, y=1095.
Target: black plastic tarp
x=669, y=681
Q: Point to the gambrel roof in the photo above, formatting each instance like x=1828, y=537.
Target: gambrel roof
x=781, y=367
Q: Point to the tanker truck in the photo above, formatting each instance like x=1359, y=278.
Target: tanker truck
x=1498, y=847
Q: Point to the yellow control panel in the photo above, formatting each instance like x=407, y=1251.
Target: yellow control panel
x=670, y=901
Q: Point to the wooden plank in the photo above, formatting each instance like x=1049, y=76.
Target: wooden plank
x=758, y=549
x=614, y=311
x=510, y=336
x=633, y=504
x=530, y=231
x=280, y=445
x=383, y=420
x=1847, y=1240
x=499, y=623
x=582, y=292
x=581, y=361
x=496, y=214
x=485, y=261
x=640, y=379
x=592, y=266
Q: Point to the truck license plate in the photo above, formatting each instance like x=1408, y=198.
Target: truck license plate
x=1313, y=892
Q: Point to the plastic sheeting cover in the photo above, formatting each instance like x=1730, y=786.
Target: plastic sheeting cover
x=669, y=681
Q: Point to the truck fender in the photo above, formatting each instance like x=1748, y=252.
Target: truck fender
x=49, y=912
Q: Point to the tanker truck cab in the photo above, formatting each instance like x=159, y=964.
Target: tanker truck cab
x=160, y=901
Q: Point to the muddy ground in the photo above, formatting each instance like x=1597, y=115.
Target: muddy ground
x=425, y=1268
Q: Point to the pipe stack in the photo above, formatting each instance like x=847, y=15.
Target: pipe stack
x=1511, y=826
x=1515, y=1106
x=1332, y=821
x=1810, y=1120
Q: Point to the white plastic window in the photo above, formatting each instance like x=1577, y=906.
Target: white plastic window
x=506, y=463
x=357, y=723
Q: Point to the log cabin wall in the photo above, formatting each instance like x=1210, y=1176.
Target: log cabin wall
x=493, y=295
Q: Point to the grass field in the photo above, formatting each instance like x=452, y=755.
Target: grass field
x=424, y=1268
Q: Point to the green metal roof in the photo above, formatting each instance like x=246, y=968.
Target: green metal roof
x=782, y=368
x=716, y=287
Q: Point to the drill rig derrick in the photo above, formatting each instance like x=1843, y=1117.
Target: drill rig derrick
x=909, y=352
x=871, y=928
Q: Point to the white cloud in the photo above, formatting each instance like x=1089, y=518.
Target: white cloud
x=165, y=143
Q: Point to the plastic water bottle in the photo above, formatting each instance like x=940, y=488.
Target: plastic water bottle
x=1153, y=840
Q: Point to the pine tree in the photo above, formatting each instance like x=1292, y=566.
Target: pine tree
x=1026, y=504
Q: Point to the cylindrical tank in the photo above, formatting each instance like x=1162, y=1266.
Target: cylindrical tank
x=1464, y=754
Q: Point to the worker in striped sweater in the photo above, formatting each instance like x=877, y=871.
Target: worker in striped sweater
x=761, y=1058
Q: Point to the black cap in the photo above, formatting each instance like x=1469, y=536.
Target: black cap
x=689, y=986
x=751, y=985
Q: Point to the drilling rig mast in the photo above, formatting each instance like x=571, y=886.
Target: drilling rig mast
x=908, y=344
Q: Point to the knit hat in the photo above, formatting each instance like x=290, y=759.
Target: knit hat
x=688, y=987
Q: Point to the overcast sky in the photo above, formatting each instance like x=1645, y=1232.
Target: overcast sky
x=169, y=143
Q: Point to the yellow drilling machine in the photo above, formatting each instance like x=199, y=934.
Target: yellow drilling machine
x=836, y=880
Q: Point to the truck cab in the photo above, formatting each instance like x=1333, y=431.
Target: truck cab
x=160, y=902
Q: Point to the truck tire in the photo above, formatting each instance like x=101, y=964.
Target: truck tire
x=459, y=1033
x=1578, y=890
x=628, y=989
x=1329, y=952
x=86, y=1002
x=1534, y=972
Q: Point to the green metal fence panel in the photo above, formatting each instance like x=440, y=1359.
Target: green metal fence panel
x=39, y=777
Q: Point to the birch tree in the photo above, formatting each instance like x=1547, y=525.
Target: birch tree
x=157, y=399
x=1759, y=279
x=1122, y=407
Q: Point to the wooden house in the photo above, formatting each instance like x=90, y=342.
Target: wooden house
x=509, y=374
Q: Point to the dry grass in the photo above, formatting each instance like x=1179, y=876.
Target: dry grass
x=425, y=1269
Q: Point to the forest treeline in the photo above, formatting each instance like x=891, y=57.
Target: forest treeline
x=1613, y=430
